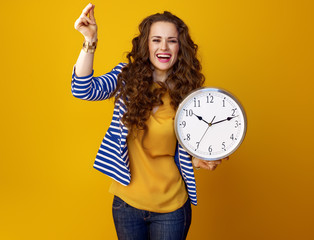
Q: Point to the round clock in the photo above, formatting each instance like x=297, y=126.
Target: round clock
x=210, y=123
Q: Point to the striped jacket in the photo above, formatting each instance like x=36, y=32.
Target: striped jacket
x=112, y=158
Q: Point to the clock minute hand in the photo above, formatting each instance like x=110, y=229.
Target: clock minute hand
x=227, y=119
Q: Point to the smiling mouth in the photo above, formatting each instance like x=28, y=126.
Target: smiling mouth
x=163, y=56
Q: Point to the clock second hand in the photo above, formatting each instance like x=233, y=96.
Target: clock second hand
x=209, y=125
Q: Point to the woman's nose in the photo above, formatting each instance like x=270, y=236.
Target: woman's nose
x=164, y=45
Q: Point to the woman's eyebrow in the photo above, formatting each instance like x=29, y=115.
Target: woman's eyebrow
x=161, y=37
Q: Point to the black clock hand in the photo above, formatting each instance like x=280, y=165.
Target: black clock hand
x=227, y=119
x=200, y=118
x=209, y=124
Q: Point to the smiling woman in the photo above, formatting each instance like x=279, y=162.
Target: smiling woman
x=162, y=68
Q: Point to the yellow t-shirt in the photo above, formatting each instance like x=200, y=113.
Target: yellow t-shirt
x=156, y=184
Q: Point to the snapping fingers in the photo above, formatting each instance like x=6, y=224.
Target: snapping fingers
x=87, y=9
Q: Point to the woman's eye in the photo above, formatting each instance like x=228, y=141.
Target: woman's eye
x=156, y=40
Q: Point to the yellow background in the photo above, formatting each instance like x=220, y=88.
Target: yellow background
x=262, y=51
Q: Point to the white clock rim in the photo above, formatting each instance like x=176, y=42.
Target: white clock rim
x=212, y=89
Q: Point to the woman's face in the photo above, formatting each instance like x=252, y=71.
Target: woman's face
x=163, y=44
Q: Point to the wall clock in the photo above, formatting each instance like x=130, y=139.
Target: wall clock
x=210, y=123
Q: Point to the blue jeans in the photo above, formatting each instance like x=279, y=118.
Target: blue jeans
x=135, y=224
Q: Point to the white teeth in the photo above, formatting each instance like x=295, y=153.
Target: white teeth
x=163, y=55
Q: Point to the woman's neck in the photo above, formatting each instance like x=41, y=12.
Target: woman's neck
x=160, y=76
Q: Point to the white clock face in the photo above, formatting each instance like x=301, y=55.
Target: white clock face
x=210, y=123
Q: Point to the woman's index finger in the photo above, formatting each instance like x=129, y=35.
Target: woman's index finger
x=87, y=9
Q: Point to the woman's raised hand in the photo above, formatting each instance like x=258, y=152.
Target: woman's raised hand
x=86, y=23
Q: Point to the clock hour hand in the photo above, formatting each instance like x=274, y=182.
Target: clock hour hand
x=200, y=118
x=227, y=119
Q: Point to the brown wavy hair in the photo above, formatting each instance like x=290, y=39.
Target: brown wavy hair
x=135, y=81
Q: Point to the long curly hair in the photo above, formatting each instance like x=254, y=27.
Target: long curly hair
x=135, y=81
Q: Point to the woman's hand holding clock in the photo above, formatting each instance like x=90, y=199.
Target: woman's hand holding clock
x=208, y=165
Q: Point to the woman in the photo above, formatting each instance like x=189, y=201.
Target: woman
x=162, y=68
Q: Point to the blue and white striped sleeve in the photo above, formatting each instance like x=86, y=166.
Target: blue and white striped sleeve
x=95, y=88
